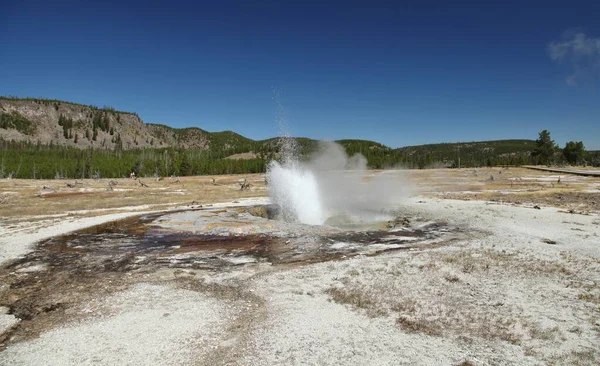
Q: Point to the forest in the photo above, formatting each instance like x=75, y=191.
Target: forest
x=30, y=160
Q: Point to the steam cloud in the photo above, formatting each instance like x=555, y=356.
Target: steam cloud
x=581, y=52
x=332, y=184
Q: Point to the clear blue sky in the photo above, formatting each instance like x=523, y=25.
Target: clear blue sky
x=431, y=71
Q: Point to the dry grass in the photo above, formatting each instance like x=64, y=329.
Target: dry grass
x=27, y=198
x=422, y=326
x=355, y=298
x=451, y=278
x=576, y=358
x=474, y=262
x=545, y=334
x=513, y=185
x=488, y=304
x=593, y=297
x=515, y=179
x=405, y=306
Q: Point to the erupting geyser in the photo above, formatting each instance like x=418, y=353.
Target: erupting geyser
x=331, y=185
x=296, y=191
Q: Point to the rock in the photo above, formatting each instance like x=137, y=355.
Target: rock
x=7, y=322
x=398, y=221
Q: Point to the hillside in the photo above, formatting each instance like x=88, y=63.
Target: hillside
x=54, y=122
x=60, y=123
x=498, y=152
x=51, y=138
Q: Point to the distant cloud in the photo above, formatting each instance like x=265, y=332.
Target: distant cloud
x=581, y=53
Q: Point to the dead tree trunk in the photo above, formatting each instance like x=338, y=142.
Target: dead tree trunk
x=244, y=185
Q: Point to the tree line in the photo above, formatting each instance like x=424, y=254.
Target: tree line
x=547, y=152
x=25, y=159
x=35, y=161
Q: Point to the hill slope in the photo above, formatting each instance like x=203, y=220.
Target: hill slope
x=512, y=152
x=46, y=138
x=75, y=125
x=60, y=123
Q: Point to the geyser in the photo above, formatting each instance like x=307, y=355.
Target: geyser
x=330, y=185
x=296, y=191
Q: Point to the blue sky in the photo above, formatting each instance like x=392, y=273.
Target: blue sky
x=402, y=74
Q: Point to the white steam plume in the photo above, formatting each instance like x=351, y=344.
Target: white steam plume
x=333, y=184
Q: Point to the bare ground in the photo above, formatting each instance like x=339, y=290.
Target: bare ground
x=523, y=287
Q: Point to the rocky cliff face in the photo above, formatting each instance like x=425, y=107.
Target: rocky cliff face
x=69, y=124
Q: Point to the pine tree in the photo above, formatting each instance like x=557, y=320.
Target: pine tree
x=546, y=147
x=574, y=152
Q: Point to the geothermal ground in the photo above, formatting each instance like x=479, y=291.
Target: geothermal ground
x=475, y=267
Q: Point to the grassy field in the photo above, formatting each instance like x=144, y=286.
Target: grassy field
x=25, y=199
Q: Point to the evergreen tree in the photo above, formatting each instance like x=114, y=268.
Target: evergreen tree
x=574, y=152
x=545, y=148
